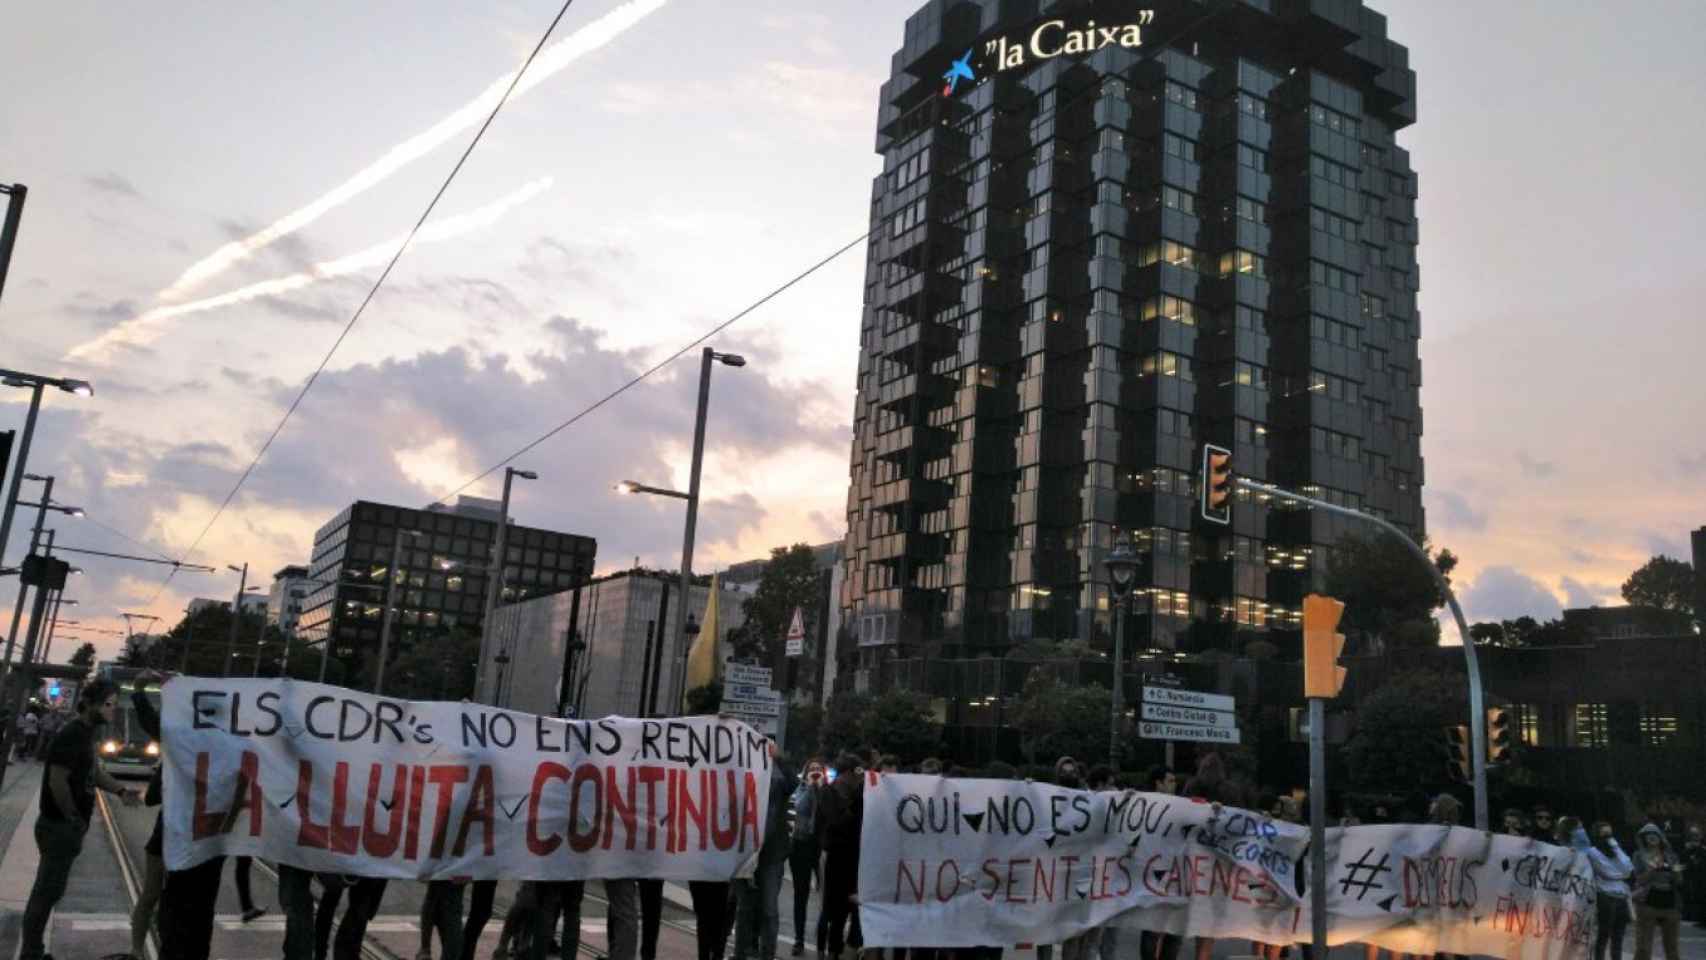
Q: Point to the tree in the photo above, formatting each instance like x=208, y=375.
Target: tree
x=435, y=667
x=1056, y=719
x=1388, y=594
x=198, y=644
x=1398, y=743
x=83, y=657
x=789, y=583
x=1663, y=583
x=898, y=722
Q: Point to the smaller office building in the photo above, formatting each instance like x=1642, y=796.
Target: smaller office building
x=627, y=660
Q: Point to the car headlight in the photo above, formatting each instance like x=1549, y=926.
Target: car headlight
x=111, y=746
x=153, y=749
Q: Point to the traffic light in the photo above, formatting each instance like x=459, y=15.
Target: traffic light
x=1322, y=644
x=1216, y=484
x=1457, y=751
x=1498, y=735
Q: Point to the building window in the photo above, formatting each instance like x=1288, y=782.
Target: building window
x=1657, y=728
x=1591, y=721
x=1527, y=724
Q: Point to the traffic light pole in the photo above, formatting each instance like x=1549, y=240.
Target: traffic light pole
x=1318, y=825
x=1477, y=699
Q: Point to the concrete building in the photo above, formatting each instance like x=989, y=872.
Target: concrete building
x=628, y=667
x=1614, y=623
x=290, y=587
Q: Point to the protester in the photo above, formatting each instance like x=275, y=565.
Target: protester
x=1514, y=825
x=803, y=854
x=838, y=826
x=1657, y=893
x=1611, y=871
x=758, y=919
x=1155, y=945
x=361, y=905
x=441, y=912
x=28, y=729
x=480, y=899
x=1693, y=854
x=1542, y=824
x=154, y=864
x=67, y=802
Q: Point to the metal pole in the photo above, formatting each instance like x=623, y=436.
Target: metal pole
x=24, y=688
x=1477, y=698
x=494, y=584
x=1318, y=826
x=390, y=604
x=1118, y=698
x=37, y=612
x=9, y=232
x=692, y=523
x=35, y=542
x=52, y=624
x=18, y=472
x=236, y=618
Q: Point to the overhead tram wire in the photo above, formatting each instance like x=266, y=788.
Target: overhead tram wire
x=1178, y=36
x=654, y=368
x=373, y=291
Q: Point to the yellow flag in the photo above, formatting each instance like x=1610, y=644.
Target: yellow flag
x=704, y=660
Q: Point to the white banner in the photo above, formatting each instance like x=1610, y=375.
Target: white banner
x=959, y=863
x=329, y=779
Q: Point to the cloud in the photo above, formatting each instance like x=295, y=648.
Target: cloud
x=830, y=102
x=152, y=325
x=1579, y=594
x=1662, y=544
x=1505, y=593
x=112, y=183
x=551, y=60
x=1694, y=466
x=1454, y=511
x=1538, y=469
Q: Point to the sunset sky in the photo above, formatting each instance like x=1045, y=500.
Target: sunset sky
x=678, y=160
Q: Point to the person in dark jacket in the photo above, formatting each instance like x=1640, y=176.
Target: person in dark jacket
x=1657, y=893
x=839, y=824
x=758, y=918
x=154, y=867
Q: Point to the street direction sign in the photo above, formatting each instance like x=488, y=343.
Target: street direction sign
x=1153, y=730
x=1188, y=716
x=748, y=674
x=797, y=635
x=746, y=691
x=743, y=709
x=1188, y=698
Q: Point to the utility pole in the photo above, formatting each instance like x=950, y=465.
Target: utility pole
x=1477, y=697
x=9, y=231
x=35, y=542
x=1323, y=678
x=391, y=575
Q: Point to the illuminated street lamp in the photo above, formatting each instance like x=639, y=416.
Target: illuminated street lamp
x=1122, y=563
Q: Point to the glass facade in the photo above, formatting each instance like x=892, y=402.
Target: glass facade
x=442, y=585
x=1085, y=266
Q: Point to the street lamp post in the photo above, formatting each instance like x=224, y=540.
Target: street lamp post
x=236, y=613
x=9, y=230
x=36, y=383
x=1122, y=570
x=42, y=507
x=494, y=580
x=390, y=607
x=684, y=642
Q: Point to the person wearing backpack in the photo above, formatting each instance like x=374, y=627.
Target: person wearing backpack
x=757, y=913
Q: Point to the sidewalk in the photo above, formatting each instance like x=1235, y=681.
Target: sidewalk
x=18, y=854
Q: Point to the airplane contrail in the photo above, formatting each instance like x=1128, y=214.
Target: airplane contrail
x=151, y=325
x=551, y=60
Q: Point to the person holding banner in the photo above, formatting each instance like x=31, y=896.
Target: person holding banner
x=838, y=825
x=757, y=913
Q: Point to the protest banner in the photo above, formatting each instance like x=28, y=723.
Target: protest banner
x=961, y=863
x=334, y=780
